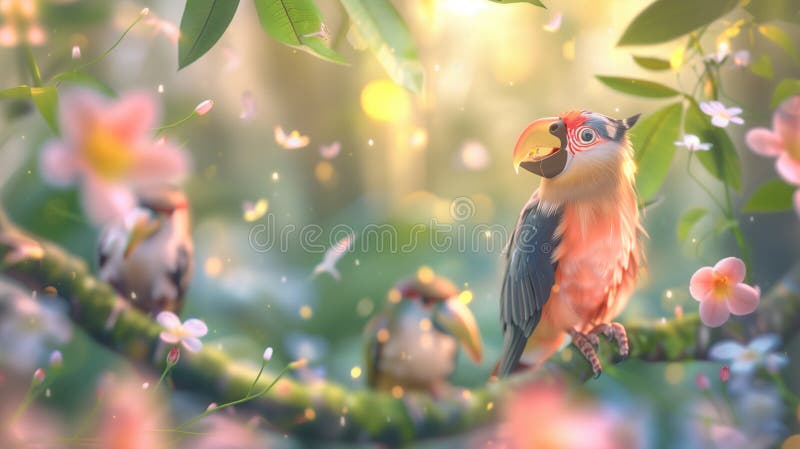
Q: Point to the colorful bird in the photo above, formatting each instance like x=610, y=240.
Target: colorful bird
x=148, y=258
x=413, y=342
x=574, y=255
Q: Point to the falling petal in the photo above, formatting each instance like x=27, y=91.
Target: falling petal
x=330, y=151
x=555, y=23
x=76, y=52
x=292, y=141
x=248, y=106
x=254, y=211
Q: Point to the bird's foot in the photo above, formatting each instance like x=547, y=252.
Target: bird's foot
x=585, y=344
x=615, y=332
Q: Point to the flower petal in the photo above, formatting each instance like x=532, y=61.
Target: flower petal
x=58, y=164
x=788, y=168
x=78, y=111
x=168, y=337
x=719, y=121
x=743, y=366
x=168, y=320
x=133, y=116
x=195, y=327
x=725, y=350
x=714, y=313
x=159, y=164
x=737, y=120
x=765, y=343
x=743, y=300
x=701, y=283
x=106, y=203
x=732, y=267
x=764, y=142
x=192, y=344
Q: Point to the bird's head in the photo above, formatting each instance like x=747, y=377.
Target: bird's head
x=574, y=147
x=163, y=200
x=448, y=314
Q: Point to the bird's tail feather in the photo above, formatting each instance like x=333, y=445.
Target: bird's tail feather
x=513, y=347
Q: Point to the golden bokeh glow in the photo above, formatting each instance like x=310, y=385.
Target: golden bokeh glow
x=385, y=101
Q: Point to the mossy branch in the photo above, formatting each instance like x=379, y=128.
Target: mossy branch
x=339, y=413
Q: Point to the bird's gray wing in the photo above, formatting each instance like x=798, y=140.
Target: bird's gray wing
x=373, y=347
x=530, y=275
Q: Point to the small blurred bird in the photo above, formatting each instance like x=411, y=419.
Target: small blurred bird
x=412, y=343
x=332, y=256
x=574, y=255
x=148, y=258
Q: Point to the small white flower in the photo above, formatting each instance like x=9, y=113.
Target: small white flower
x=186, y=333
x=268, y=354
x=692, y=143
x=746, y=359
x=741, y=58
x=720, y=115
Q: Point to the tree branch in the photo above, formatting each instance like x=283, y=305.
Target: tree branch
x=342, y=414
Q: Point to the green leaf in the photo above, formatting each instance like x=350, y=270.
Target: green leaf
x=721, y=160
x=779, y=37
x=84, y=80
x=46, y=101
x=773, y=196
x=650, y=63
x=202, y=24
x=532, y=2
x=665, y=20
x=389, y=39
x=639, y=87
x=16, y=93
x=295, y=23
x=785, y=89
x=688, y=220
x=767, y=10
x=762, y=67
x=653, y=140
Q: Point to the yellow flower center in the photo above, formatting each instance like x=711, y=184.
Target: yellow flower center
x=722, y=287
x=107, y=154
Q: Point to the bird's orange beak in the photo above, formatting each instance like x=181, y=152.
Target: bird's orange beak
x=541, y=148
x=456, y=318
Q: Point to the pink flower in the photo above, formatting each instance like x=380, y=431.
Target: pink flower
x=187, y=333
x=782, y=141
x=174, y=355
x=108, y=149
x=204, y=107
x=129, y=419
x=721, y=292
x=702, y=382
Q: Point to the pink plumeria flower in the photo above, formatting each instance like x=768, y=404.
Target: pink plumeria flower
x=782, y=141
x=187, y=333
x=692, y=143
x=107, y=148
x=720, y=115
x=721, y=291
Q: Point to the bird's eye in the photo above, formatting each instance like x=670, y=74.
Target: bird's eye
x=587, y=135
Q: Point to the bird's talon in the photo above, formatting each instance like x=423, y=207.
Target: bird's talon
x=584, y=343
x=614, y=332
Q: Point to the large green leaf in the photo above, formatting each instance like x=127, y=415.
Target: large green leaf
x=780, y=38
x=785, y=89
x=46, y=101
x=762, y=67
x=767, y=10
x=653, y=140
x=639, y=87
x=532, y=2
x=202, y=25
x=721, y=160
x=688, y=220
x=298, y=24
x=84, y=79
x=16, y=93
x=389, y=39
x=772, y=196
x=651, y=63
x=665, y=20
